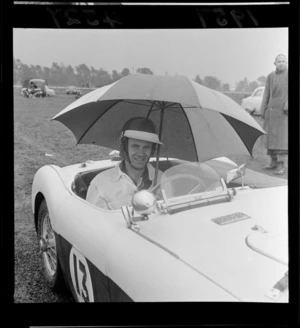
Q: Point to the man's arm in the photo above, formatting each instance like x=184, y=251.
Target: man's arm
x=286, y=107
x=266, y=97
x=94, y=196
x=286, y=104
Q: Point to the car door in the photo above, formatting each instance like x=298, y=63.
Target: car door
x=85, y=232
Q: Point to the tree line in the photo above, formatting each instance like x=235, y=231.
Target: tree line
x=84, y=76
x=241, y=86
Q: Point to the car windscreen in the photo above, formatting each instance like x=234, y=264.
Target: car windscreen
x=251, y=177
x=188, y=179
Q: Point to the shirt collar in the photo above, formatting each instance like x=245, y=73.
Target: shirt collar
x=119, y=169
x=117, y=173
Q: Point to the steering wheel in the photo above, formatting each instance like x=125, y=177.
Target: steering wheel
x=214, y=186
x=198, y=182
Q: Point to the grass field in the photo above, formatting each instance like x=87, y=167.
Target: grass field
x=39, y=141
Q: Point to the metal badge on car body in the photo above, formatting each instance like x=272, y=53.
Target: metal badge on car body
x=230, y=218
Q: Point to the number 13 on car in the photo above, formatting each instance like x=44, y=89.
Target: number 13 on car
x=81, y=277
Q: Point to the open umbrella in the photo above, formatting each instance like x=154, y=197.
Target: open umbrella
x=195, y=123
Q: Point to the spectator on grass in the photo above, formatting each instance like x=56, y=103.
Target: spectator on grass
x=274, y=111
x=115, y=187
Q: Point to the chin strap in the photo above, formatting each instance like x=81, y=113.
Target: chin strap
x=124, y=141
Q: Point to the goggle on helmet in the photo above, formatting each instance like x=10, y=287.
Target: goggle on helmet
x=140, y=128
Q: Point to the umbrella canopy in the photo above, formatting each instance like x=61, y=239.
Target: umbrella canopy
x=195, y=123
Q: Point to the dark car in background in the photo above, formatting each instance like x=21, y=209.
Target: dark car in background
x=72, y=90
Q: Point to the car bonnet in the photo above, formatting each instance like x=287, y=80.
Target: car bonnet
x=246, y=256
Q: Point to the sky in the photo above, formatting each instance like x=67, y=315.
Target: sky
x=227, y=54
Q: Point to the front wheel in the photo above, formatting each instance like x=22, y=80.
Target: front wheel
x=48, y=251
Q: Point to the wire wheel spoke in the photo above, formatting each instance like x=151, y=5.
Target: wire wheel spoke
x=52, y=251
x=52, y=259
x=50, y=255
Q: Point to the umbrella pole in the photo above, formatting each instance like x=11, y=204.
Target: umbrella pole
x=158, y=146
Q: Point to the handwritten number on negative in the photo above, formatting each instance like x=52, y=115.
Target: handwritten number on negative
x=220, y=16
x=220, y=20
x=54, y=14
x=71, y=20
x=70, y=16
x=90, y=13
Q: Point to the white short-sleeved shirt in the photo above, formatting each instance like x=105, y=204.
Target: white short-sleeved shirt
x=113, y=188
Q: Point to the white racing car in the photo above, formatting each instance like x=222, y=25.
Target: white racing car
x=214, y=232
x=252, y=103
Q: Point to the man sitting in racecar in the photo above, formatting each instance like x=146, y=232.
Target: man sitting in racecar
x=115, y=187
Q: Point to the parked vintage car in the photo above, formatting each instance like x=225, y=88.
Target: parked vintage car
x=36, y=88
x=49, y=92
x=252, y=103
x=72, y=90
x=211, y=236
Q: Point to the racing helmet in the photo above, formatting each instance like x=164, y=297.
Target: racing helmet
x=140, y=128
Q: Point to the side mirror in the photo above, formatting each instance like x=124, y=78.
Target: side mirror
x=143, y=203
x=236, y=173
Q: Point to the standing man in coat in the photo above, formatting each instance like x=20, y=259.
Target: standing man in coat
x=274, y=111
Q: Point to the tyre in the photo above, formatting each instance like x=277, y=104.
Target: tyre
x=48, y=251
